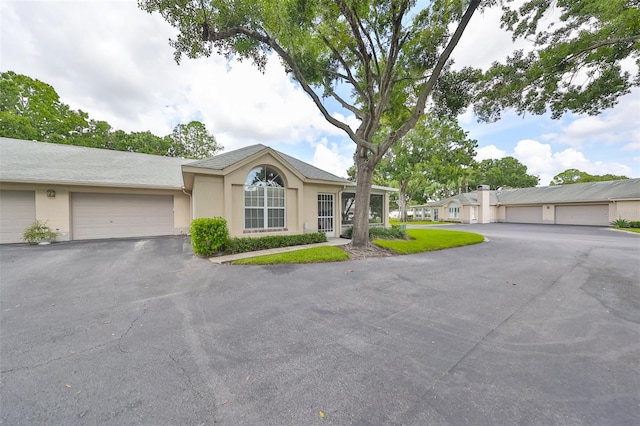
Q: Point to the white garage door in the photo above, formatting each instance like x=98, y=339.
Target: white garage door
x=17, y=212
x=118, y=215
x=583, y=215
x=524, y=214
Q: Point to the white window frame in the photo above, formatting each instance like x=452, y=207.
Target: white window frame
x=264, y=200
x=454, y=211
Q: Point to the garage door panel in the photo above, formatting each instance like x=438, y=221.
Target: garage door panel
x=597, y=215
x=17, y=212
x=524, y=214
x=121, y=215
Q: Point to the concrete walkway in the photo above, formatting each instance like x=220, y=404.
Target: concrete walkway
x=232, y=257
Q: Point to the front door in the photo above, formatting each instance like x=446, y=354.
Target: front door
x=325, y=214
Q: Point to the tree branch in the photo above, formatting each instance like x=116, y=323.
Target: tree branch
x=429, y=85
x=266, y=39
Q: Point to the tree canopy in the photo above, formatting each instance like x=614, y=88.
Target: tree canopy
x=505, y=172
x=581, y=61
x=436, y=150
x=576, y=176
x=32, y=110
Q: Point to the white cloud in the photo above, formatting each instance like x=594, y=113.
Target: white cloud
x=489, y=152
x=484, y=42
x=543, y=162
x=327, y=157
x=120, y=69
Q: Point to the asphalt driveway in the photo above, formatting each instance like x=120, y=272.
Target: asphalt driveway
x=539, y=325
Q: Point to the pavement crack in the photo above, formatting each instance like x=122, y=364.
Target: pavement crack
x=60, y=358
x=187, y=376
x=144, y=311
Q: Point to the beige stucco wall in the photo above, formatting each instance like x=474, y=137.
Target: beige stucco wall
x=310, y=206
x=56, y=211
x=629, y=210
x=500, y=214
x=207, y=196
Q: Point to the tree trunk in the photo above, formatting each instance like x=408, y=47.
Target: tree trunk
x=402, y=201
x=364, y=175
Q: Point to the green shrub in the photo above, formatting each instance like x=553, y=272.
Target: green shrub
x=634, y=224
x=38, y=232
x=620, y=223
x=209, y=235
x=247, y=244
x=380, y=233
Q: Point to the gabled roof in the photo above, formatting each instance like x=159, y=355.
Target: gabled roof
x=575, y=193
x=229, y=159
x=30, y=161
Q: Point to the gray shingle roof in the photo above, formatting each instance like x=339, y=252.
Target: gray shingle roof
x=224, y=160
x=30, y=161
x=574, y=193
x=578, y=192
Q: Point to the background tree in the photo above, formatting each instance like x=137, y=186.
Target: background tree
x=576, y=176
x=576, y=63
x=193, y=141
x=506, y=172
x=32, y=110
x=388, y=52
x=436, y=150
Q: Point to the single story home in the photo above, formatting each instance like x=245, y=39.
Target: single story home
x=595, y=203
x=87, y=193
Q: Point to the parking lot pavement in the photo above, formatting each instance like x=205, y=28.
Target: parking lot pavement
x=539, y=325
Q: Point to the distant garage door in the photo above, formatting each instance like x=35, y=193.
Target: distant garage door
x=118, y=215
x=17, y=211
x=524, y=214
x=583, y=215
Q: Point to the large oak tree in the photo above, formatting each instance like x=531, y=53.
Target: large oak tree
x=387, y=52
x=393, y=55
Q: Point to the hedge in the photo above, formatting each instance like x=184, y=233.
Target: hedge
x=246, y=244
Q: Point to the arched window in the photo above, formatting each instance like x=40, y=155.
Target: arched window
x=264, y=199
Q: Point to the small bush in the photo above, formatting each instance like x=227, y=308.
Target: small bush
x=634, y=224
x=381, y=233
x=209, y=235
x=38, y=232
x=247, y=244
x=620, y=223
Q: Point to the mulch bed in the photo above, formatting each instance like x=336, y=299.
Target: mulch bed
x=363, y=253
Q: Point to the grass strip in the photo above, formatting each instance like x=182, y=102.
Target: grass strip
x=636, y=230
x=309, y=255
x=429, y=240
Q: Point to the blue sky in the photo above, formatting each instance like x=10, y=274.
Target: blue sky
x=112, y=60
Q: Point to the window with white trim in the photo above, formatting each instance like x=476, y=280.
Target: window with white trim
x=264, y=199
x=454, y=212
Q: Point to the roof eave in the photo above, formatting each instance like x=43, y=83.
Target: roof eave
x=96, y=184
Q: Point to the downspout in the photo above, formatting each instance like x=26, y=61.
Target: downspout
x=190, y=207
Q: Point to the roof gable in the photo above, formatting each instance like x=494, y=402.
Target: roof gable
x=228, y=160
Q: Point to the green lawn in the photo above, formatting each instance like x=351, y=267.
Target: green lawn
x=423, y=240
x=430, y=239
x=636, y=230
x=309, y=255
